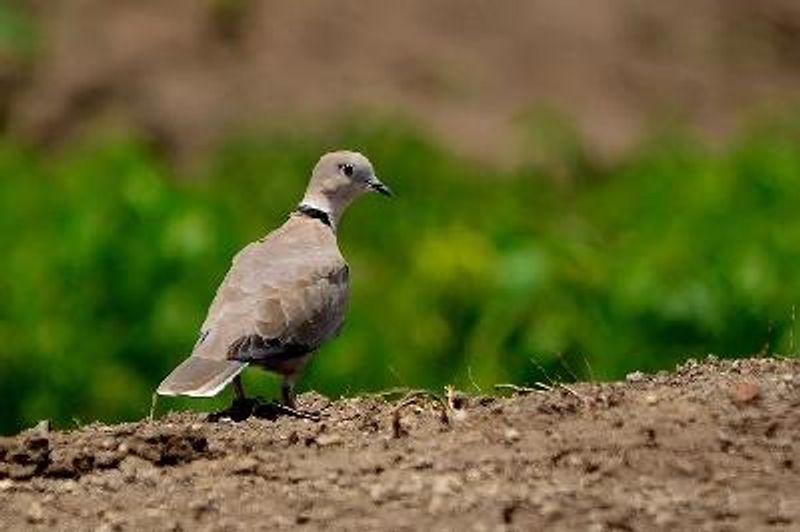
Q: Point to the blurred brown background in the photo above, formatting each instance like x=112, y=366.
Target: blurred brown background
x=188, y=71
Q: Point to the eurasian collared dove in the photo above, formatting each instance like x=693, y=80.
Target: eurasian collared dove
x=284, y=295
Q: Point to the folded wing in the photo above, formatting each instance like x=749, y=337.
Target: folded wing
x=288, y=289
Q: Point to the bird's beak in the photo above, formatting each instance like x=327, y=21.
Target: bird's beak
x=379, y=187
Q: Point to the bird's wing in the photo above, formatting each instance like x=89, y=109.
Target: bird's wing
x=288, y=289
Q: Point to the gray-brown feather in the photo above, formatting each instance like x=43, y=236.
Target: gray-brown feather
x=285, y=293
x=200, y=377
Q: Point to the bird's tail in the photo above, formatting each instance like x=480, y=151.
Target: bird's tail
x=200, y=377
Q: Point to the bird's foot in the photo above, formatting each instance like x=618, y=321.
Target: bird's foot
x=244, y=408
x=273, y=410
x=239, y=410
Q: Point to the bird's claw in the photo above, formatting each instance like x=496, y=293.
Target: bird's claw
x=242, y=409
x=273, y=410
x=239, y=410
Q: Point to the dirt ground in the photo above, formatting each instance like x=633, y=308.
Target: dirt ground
x=712, y=446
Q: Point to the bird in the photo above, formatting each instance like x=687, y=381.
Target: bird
x=284, y=295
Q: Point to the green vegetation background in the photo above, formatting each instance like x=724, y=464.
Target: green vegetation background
x=471, y=276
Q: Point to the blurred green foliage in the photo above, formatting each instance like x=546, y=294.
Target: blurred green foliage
x=471, y=276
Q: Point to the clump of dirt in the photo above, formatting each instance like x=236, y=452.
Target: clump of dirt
x=712, y=445
x=70, y=455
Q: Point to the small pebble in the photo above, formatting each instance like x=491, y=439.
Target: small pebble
x=550, y=510
x=245, y=466
x=458, y=415
x=511, y=435
x=326, y=440
x=746, y=392
x=35, y=513
x=636, y=376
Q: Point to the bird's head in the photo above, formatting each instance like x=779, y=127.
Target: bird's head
x=340, y=177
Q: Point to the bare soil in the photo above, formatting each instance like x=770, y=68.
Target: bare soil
x=712, y=446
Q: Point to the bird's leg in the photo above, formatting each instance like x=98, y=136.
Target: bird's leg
x=287, y=392
x=241, y=408
x=240, y=400
x=288, y=404
x=242, y=405
x=238, y=388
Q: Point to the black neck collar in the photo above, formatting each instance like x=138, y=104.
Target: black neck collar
x=313, y=212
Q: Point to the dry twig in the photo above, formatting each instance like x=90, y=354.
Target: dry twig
x=515, y=388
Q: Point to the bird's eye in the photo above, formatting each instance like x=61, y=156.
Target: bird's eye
x=347, y=169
